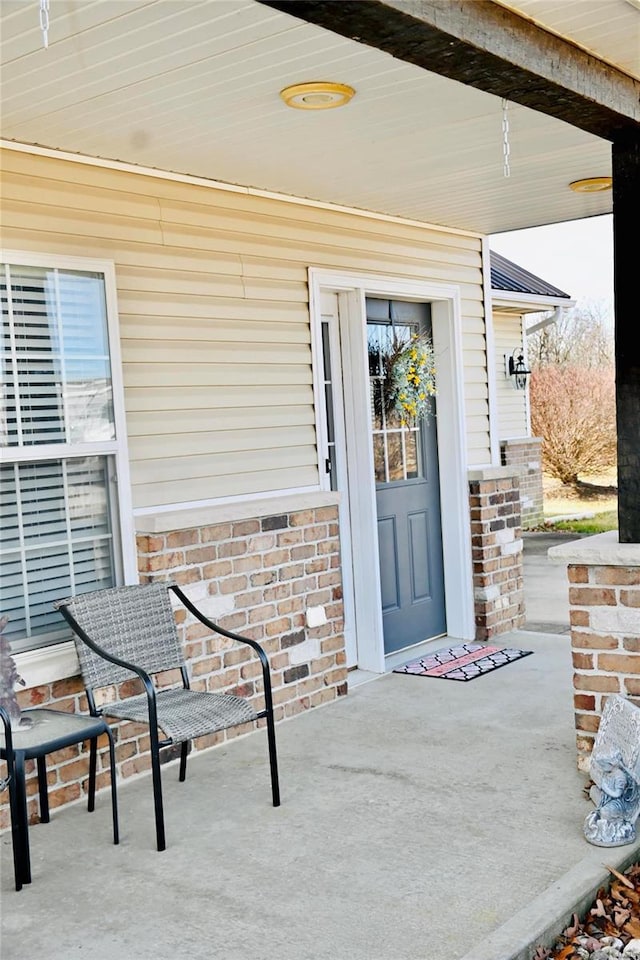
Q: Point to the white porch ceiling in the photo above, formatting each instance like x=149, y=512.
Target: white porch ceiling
x=191, y=86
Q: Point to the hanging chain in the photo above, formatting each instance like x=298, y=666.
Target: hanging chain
x=506, y=147
x=44, y=22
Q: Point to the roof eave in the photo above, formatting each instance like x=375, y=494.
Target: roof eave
x=526, y=302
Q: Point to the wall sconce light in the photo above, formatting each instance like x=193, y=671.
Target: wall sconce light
x=517, y=368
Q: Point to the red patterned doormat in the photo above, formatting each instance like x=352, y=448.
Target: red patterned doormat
x=464, y=662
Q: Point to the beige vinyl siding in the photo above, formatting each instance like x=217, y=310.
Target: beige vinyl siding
x=214, y=314
x=512, y=404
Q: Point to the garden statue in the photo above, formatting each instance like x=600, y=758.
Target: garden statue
x=617, y=800
x=615, y=771
x=8, y=679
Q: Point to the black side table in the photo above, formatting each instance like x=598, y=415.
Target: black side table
x=50, y=730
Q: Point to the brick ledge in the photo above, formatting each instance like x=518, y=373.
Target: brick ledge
x=519, y=441
x=603, y=549
x=491, y=473
x=187, y=518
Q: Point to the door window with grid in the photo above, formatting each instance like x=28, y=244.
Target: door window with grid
x=397, y=447
x=59, y=530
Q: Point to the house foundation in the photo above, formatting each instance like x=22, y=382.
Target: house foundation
x=604, y=602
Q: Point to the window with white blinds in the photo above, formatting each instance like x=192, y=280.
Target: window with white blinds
x=58, y=512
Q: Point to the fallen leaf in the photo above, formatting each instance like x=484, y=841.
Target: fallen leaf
x=567, y=953
x=542, y=953
x=573, y=928
x=621, y=877
x=618, y=892
x=620, y=916
x=598, y=910
x=632, y=927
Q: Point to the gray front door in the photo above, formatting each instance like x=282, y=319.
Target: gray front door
x=407, y=491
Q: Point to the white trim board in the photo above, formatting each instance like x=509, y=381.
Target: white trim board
x=456, y=530
x=533, y=303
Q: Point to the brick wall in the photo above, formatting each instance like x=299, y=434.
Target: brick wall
x=605, y=643
x=525, y=457
x=496, y=539
x=257, y=577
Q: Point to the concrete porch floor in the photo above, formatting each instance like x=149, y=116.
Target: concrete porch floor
x=418, y=816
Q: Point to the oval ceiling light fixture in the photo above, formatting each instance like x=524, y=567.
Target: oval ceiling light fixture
x=591, y=185
x=317, y=95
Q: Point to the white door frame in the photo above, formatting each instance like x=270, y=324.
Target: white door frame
x=360, y=550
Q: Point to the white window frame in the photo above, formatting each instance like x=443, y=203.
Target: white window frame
x=56, y=661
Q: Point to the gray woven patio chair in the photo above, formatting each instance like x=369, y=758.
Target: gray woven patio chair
x=132, y=630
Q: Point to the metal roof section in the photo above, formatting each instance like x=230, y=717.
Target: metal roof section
x=508, y=276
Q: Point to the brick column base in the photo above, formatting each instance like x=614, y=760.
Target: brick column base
x=604, y=597
x=525, y=459
x=496, y=539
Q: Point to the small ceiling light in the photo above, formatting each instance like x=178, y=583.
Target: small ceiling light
x=317, y=96
x=591, y=185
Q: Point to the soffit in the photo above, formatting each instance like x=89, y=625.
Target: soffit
x=191, y=86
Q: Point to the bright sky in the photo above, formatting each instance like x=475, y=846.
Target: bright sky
x=577, y=256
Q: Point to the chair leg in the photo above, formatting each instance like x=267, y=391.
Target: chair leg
x=114, y=793
x=42, y=790
x=20, y=794
x=184, y=752
x=273, y=758
x=93, y=763
x=157, y=789
x=16, y=825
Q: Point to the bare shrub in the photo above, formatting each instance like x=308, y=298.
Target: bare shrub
x=573, y=410
x=582, y=336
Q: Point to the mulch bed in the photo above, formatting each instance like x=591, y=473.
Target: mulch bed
x=611, y=928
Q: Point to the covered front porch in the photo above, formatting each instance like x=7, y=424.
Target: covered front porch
x=419, y=816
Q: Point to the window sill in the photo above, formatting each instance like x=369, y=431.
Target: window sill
x=183, y=518
x=38, y=667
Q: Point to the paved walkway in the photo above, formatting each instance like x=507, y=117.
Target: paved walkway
x=546, y=590
x=419, y=815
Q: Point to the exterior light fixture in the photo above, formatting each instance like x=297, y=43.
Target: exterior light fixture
x=318, y=95
x=591, y=185
x=516, y=368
